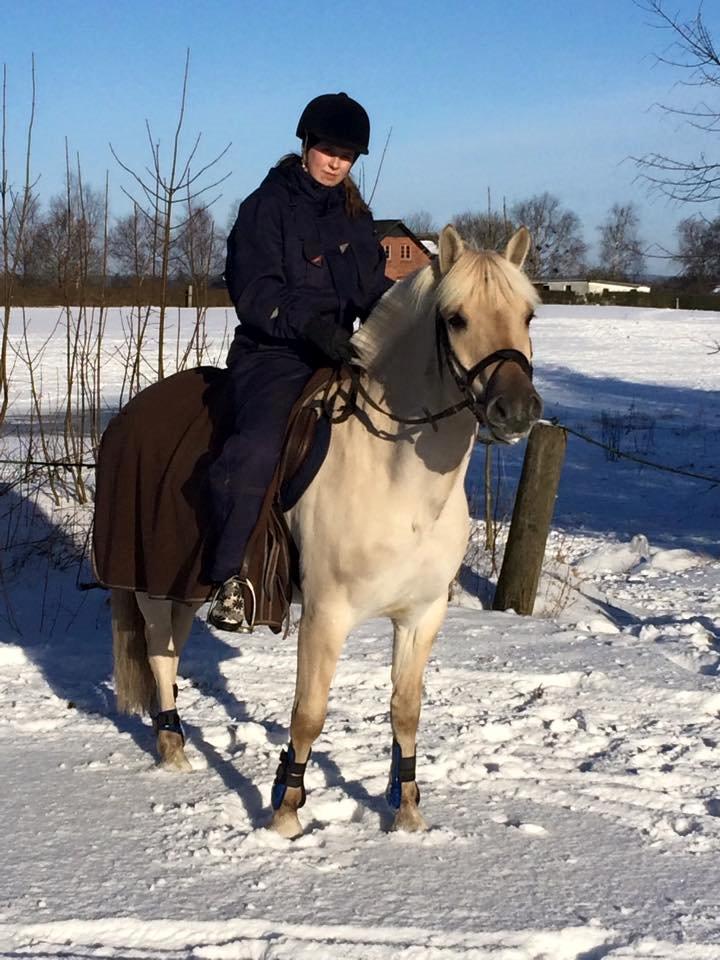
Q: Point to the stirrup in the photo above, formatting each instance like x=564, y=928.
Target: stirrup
x=240, y=622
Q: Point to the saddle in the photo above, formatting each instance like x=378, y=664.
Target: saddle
x=271, y=563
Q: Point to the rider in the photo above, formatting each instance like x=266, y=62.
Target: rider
x=303, y=263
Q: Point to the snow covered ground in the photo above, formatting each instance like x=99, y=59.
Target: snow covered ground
x=569, y=762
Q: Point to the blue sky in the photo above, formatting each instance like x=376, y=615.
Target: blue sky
x=512, y=95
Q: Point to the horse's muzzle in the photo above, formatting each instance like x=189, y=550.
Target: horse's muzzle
x=513, y=406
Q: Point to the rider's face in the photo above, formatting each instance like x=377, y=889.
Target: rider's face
x=328, y=164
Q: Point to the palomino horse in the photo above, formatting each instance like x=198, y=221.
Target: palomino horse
x=453, y=336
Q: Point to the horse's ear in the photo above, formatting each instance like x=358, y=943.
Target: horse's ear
x=518, y=247
x=450, y=247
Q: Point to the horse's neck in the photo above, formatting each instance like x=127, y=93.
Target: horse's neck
x=408, y=377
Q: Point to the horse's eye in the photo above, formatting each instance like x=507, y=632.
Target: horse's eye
x=456, y=322
x=530, y=317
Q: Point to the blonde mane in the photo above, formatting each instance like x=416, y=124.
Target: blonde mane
x=413, y=300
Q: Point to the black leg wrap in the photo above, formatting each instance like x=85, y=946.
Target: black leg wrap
x=407, y=769
x=289, y=773
x=402, y=770
x=168, y=720
x=407, y=774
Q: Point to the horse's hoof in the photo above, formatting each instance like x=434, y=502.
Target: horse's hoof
x=172, y=754
x=285, y=822
x=409, y=819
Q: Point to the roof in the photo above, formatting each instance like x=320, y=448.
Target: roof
x=390, y=228
x=396, y=228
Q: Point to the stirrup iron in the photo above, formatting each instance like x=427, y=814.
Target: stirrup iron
x=240, y=622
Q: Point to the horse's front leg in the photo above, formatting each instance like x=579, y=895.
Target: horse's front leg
x=411, y=649
x=167, y=627
x=320, y=639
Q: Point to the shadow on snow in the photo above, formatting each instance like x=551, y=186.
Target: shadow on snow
x=675, y=426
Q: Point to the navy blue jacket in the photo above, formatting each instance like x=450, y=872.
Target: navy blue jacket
x=294, y=253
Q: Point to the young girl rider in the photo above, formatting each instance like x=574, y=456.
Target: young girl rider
x=303, y=263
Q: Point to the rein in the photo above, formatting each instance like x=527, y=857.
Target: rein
x=464, y=378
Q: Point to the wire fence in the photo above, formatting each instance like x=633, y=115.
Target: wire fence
x=615, y=451
x=619, y=454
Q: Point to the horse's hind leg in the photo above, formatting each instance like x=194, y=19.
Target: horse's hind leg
x=320, y=640
x=411, y=649
x=167, y=626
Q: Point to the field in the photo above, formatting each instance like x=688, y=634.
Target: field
x=569, y=762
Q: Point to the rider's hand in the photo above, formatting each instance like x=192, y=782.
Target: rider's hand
x=327, y=336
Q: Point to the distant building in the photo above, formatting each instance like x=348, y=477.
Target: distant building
x=404, y=252
x=582, y=288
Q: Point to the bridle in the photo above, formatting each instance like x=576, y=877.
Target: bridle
x=464, y=379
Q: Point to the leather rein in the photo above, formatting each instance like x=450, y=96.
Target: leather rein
x=464, y=378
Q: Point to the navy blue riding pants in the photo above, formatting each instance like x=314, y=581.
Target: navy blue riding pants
x=266, y=381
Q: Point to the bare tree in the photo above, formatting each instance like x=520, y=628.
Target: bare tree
x=699, y=249
x=134, y=246
x=488, y=229
x=15, y=207
x=485, y=230
x=68, y=237
x=201, y=257
x=162, y=190
x=621, y=251
x=201, y=247
x=558, y=246
x=24, y=239
x=420, y=221
x=692, y=52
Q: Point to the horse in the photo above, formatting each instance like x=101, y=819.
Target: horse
x=382, y=528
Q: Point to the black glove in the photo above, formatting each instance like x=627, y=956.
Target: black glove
x=327, y=336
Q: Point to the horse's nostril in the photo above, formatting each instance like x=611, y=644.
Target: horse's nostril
x=497, y=411
x=536, y=407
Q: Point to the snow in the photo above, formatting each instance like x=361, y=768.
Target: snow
x=569, y=762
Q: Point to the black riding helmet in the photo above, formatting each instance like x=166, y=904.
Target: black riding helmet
x=337, y=119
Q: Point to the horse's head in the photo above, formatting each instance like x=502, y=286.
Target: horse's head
x=485, y=305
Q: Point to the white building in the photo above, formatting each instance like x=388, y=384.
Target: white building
x=582, y=288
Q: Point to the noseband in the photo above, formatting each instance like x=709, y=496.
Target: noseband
x=464, y=377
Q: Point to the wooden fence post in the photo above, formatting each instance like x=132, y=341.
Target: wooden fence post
x=520, y=574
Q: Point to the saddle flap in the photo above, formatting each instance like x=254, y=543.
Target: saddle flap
x=271, y=557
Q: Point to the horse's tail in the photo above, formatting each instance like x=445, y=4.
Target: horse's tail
x=134, y=682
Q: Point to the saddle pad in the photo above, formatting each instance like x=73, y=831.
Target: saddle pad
x=295, y=485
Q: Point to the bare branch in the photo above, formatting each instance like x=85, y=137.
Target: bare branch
x=161, y=191
x=380, y=166
x=691, y=51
